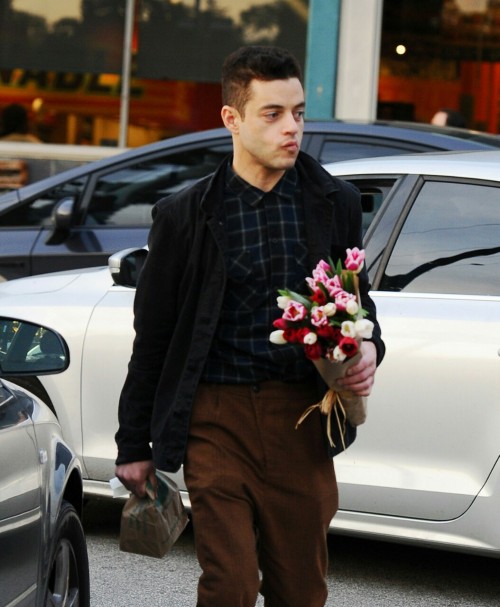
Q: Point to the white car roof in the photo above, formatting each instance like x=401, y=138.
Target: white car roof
x=479, y=165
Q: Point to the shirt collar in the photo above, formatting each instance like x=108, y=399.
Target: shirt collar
x=252, y=196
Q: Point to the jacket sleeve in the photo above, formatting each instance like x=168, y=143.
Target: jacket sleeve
x=155, y=308
x=355, y=239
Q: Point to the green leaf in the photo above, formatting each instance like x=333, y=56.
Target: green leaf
x=305, y=301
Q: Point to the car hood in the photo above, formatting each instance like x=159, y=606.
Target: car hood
x=49, y=283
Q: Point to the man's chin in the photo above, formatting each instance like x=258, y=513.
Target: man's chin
x=286, y=163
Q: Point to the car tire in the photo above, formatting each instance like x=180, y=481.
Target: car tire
x=68, y=580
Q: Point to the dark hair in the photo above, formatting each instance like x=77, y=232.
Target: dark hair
x=255, y=63
x=14, y=119
x=454, y=118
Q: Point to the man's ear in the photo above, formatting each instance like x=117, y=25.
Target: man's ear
x=231, y=118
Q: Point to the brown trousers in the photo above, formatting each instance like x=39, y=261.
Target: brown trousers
x=262, y=496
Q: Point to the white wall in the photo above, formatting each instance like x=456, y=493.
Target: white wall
x=358, y=59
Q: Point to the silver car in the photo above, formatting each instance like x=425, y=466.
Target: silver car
x=43, y=555
x=425, y=467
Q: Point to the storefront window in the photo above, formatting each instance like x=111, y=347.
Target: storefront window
x=62, y=60
x=188, y=40
x=69, y=35
x=441, y=54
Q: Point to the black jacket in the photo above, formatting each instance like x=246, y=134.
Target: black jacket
x=180, y=294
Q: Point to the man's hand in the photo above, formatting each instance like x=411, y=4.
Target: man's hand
x=360, y=377
x=135, y=474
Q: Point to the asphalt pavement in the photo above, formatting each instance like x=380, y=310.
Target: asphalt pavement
x=363, y=573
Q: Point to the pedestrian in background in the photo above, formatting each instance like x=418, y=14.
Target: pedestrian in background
x=15, y=125
x=447, y=117
x=205, y=386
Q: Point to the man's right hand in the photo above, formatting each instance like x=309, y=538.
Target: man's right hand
x=135, y=474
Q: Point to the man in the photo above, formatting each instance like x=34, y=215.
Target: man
x=447, y=117
x=15, y=125
x=205, y=385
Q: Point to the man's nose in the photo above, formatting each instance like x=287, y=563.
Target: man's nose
x=291, y=125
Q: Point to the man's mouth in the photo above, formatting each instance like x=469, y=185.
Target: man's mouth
x=291, y=146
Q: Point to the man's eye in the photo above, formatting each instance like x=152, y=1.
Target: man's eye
x=299, y=115
x=272, y=115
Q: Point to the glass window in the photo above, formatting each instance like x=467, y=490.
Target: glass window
x=334, y=150
x=51, y=35
x=440, y=54
x=188, y=40
x=373, y=193
x=38, y=211
x=449, y=243
x=126, y=196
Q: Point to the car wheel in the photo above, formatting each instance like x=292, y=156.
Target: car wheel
x=68, y=581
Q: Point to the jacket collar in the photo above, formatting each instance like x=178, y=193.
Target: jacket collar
x=313, y=178
x=319, y=191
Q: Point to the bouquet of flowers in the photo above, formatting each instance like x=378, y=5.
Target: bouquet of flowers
x=329, y=323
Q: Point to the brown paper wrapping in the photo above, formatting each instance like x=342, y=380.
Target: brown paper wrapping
x=331, y=372
x=337, y=402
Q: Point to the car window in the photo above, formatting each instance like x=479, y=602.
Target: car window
x=373, y=193
x=126, y=196
x=334, y=150
x=38, y=211
x=449, y=243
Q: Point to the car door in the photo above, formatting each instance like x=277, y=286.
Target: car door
x=82, y=221
x=114, y=212
x=20, y=494
x=431, y=438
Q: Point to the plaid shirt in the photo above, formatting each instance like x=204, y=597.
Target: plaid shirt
x=265, y=251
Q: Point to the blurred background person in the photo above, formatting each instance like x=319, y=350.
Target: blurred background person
x=447, y=117
x=15, y=125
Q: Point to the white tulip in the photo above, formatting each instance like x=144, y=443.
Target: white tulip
x=352, y=307
x=347, y=328
x=283, y=301
x=310, y=338
x=363, y=328
x=277, y=338
x=329, y=309
x=338, y=355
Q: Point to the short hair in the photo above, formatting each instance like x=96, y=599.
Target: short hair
x=15, y=119
x=454, y=118
x=254, y=63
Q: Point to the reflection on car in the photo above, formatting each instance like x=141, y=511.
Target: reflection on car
x=78, y=218
x=426, y=465
x=43, y=555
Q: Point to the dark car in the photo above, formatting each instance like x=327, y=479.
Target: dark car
x=43, y=555
x=79, y=217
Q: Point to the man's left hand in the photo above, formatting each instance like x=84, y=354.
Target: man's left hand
x=360, y=377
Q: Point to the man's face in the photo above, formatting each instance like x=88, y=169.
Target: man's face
x=270, y=131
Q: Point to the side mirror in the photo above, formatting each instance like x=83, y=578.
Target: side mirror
x=125, y=266
x=29, y=349
x=63, y=213
x=62, y=218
